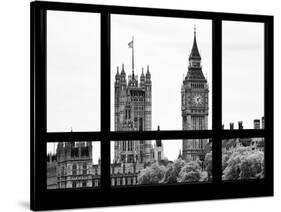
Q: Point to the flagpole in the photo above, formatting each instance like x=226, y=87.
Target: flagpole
x=133, y=55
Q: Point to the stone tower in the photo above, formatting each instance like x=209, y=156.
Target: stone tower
x=194, y=95
x=132, y=105
x=74, y=162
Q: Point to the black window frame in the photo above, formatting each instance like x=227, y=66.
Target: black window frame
x=105, y=195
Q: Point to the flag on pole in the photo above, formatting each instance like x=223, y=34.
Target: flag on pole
x=131, y=44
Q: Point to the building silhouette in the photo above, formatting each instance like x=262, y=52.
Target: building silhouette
x=194, y=105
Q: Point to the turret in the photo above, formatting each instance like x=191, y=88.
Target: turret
x=142, y=79
x=180, y=155
x=147, y=111
x=123, y=76
x=147, y=75
x=117, y=77
x=148, y=79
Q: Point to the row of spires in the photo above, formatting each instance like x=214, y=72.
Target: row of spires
x=123, y=74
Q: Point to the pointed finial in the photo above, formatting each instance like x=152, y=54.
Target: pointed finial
x=180, y=155
x=117, y=69
x=147, y=67
x=122, y=66
x=194, y=30
x=71, y=129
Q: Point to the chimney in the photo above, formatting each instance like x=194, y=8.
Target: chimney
x=240, y=125
x=256, y=124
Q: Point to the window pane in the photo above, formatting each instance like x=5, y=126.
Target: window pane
x=243, y=158
x=73, y=71
x=158, y=162
x=73, y=165
x=160, y=73
x=242, y=75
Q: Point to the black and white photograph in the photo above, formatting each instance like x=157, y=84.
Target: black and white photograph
x=124, y=106
x=161, y=79
x=73, y=165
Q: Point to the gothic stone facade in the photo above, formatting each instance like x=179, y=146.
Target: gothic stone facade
x=194, y=95
x=132, y=105
x=72, y=167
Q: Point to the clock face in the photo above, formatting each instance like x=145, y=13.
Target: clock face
x=197, y=99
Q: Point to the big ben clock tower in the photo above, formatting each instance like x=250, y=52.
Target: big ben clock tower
x=194, y=107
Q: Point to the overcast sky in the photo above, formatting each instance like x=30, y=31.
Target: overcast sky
x=243, y=73
x=73, y=71
x=164, y=44
x=73, y=68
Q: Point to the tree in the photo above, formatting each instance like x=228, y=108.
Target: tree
x=252, y=166
x=152, y=174
x=208, y=165
x=225, y=157
x=232, y=169
x=243, y=163
x=164, y=162
x=172, y=171
x=191, y=172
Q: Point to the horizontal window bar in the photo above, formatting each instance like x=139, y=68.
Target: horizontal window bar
x=145, y=135
x=150, y=11
x=241, y=133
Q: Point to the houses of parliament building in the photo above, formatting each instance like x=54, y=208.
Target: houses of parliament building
x=71, y=165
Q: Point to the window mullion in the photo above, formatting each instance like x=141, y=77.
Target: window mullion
x=217, y=98
x=105, y=99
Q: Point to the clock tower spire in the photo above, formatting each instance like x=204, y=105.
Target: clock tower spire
x=195, y=104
